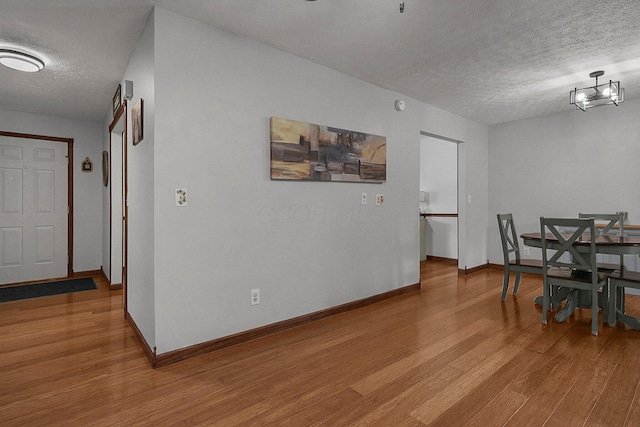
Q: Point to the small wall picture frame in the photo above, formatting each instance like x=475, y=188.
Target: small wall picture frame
x=87, y=165
x=137, y=122
x=117, y=100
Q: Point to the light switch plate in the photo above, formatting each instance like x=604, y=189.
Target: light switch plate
x=181, y=197
x=364, y=198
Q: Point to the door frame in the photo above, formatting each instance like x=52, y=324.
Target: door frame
x=69, y=142
x=457, y=214
x=120, y=114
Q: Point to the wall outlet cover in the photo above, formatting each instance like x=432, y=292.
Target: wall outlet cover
x=255, y=296
x=379, y=199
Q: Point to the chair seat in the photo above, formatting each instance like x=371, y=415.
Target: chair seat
x=627, y=276
x=575, y=275
x=608, y=266
x=527, y=263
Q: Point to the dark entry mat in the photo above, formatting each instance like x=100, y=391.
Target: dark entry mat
x=14, y=293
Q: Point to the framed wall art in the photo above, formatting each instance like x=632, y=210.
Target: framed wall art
x=87, y=165
x=309, y=152
x=137, y=122
x=117, y=100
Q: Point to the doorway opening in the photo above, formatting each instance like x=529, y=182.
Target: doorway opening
x=439, y=197
x=118, y=201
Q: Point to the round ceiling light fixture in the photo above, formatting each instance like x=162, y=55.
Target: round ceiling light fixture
x=20, y=61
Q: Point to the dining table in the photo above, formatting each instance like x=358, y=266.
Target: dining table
x=605, y=244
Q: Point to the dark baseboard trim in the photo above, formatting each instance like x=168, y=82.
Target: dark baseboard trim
x=88, y=273
x=442, y=259
x=151, y=354
x=112, y=286
x=495, y=266
x=104, y=275
x=210, y=346
x=464, y=272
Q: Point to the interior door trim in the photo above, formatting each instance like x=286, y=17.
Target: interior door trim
x=121, y=114
x=69, y=142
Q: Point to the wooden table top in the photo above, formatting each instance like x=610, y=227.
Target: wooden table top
x=607, y=240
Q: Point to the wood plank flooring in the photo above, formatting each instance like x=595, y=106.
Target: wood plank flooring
x=450, y=354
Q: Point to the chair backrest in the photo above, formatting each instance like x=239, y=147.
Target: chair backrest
x=610, y=221
x=555, y=238
x=508, y=237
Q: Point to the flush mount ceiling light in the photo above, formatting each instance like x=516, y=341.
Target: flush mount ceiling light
x=595, y=96
x=20, y=61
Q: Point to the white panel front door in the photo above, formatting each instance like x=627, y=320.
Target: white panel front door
x=33, y=209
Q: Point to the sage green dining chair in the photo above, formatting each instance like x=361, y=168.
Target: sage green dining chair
x=618, y=282
x=510, y=246
x=608, y=224
x=578, y=271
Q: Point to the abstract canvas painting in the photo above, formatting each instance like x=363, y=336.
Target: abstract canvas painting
x=137, y=122
x=308, y=152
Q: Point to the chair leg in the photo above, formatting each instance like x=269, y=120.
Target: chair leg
x=554, y=298
x=517, y=283
x=612, y=304
x=505, y=284
x=603, y=301
x=594, y=312
x=545, y=302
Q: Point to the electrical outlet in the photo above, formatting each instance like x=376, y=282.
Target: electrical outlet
x=379, y=199
x=364, y=198
x=255, y=296
x=527, y=250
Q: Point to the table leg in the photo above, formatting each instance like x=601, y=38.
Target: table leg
x=572, y=302
x=630, y=321
x=562, y=294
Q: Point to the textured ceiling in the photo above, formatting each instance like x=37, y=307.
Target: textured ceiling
x=492, y=61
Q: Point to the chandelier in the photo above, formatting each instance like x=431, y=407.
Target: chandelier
x=595, y=96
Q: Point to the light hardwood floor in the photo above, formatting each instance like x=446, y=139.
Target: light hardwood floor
x=451, y=355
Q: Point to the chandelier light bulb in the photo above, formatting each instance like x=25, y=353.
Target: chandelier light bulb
x=581, y=96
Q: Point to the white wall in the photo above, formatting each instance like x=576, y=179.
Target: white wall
x=562, y=165
x=87, y=195
x=307, y=246
x=140, y=174
x=439, y=175
x=106, y=191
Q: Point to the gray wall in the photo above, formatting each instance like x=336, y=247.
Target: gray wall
x=562, y=165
